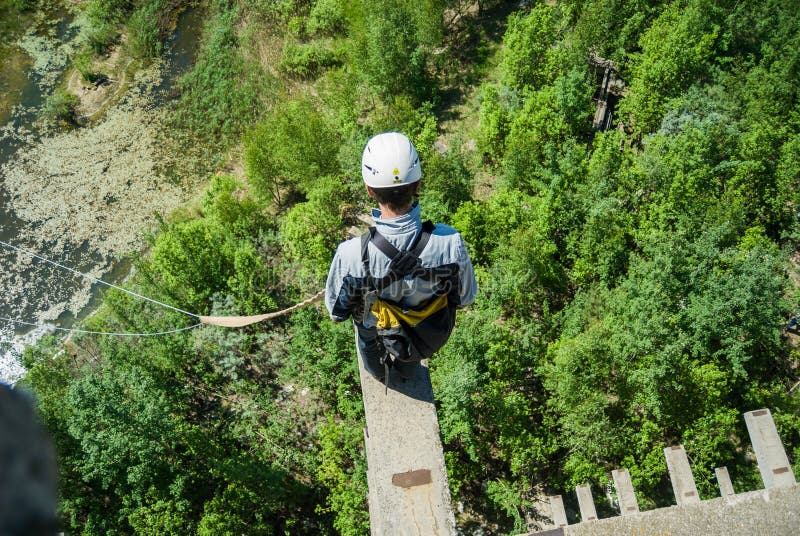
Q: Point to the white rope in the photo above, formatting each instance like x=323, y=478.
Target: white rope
x=236, y=321
x=88, y=332
x=96, y=280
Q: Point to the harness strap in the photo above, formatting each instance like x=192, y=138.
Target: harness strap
x=386, y=369
x=416, y=247
x=365, y=238
x=403, y=263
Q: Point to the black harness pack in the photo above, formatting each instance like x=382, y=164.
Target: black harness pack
x=415, y=333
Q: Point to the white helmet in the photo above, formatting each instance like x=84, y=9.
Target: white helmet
x=390, y=159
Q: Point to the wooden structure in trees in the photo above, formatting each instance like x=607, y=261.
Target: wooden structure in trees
x=606, y=97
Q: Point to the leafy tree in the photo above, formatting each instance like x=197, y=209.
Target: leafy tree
x=289, y=151
x=447, y=183
x=677, y=48
x=494, y=117
x=390, y=56
x=610, y=27
x=311, y=230
x=527, y=43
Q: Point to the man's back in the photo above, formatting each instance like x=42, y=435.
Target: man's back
x=410, y=315
x=445, y=248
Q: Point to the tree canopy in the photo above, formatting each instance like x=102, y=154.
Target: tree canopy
x=634, y=283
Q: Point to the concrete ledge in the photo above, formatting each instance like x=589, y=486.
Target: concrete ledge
x=408, y=491
x=775, y=512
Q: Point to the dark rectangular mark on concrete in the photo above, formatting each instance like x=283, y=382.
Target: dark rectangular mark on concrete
x=631, y=508
x=551, y=532
x=590, y=518
x=412, y=478
x=676, y=447
x=780, y=470
x=760, y=412
x=689, y=494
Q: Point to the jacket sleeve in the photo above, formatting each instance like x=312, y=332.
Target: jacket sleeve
x=467, y=284
x=342, y=290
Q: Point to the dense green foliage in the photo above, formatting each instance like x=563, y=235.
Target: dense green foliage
x=146, y=22
x=633, y=283
x=60, y=106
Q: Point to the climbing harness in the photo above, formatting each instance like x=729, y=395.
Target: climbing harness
x=223, y=321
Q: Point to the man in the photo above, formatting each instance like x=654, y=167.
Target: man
x=365, y=283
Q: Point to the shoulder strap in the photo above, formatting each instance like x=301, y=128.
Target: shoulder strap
x=365, y=239
x=422, y=239
x=382, y=244
x=402, y=262
x=416, y=247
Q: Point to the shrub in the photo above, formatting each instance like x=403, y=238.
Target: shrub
x=108, y=11
x=60, y=106
x=146, y=31
x=312, y=229
x=327, y=17
x=527, y=42
x=100, y=36
x=308, y=60
x=289, y=151
x=84, y=63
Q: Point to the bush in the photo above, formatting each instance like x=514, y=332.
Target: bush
x=327, y=17
x=678, y=47
x=60, y=106
x=308, y=60
x=146, y=29
x=391, y=58
x=289, y=151
x=108, y=11
x=84, y=63
x=527, y=42
x=312, y=229
x=446, y=184
x=494, y=123
x=100, y=36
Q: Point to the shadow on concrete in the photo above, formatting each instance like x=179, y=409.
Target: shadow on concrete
x=418, y=386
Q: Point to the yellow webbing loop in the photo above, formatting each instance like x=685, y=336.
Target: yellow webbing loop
x=389, y=315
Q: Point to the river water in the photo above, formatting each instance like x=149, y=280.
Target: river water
x=82, y=197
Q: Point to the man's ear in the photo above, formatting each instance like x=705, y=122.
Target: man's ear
x=370, y=192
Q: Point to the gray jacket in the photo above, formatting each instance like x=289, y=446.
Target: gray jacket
x=346, y=277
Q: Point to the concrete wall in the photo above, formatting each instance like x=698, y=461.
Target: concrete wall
x=772, y=512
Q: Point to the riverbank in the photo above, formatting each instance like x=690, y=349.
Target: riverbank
x=85, y=196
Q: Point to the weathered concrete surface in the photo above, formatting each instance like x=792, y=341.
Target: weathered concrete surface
x=773, y=512
x=625, y=494
x=586, y=502
x=557, y=512
x=724, y=481
x=773, y=464
x=680, y=473
x=408, y=492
